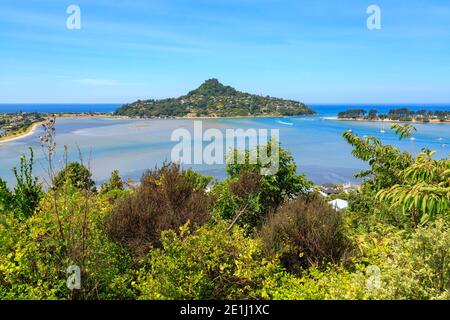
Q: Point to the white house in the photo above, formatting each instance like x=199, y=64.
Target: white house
x=339, y=204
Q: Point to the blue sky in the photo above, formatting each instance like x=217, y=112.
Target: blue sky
x=313, y=51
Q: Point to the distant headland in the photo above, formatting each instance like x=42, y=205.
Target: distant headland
x=215, y=100
x=396, y=115
x=18, y=125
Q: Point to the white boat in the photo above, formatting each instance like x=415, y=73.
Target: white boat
x=286, y=123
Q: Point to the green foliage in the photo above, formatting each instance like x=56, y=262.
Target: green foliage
x=210, y=263
x=423, y=190
x=401, y=114
x=6, y=198
x=367, y=213
x=214, y=99
x=67, y=230
x=269, y=238
x=333, y=283
x=24, y=199
x=352, y=114
x=385, y=161
x=77, y=175
x=415, y=189
x=306, y=233
x=166, y=199
x=403, y=130
x=418, y=267
x=247, y=197
x=115, y=182
x=372, y=114
x=240, y=196
x=197, y=181
x=285, y=184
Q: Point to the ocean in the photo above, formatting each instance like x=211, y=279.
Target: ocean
x=322, y=109
x=133, y=146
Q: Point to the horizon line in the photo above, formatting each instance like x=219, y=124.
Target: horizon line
x=311, y=103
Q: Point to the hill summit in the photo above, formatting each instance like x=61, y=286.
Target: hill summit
x=213, y=87
x=213, y=99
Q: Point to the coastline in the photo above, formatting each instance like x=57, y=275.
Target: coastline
x=387, y=120
x=32, y=128
x=246, y=117
x=28, y=132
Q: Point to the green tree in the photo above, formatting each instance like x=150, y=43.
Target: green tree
x=239, y=200
x=419, y=266
x=284, y=184
x=423, y=190
x=386, y=161
x=34, y=258
x=76, y=175
x=24, y=198
x=403, y=130
x=115, y=182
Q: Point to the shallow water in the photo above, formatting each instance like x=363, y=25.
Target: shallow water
x=132, y=146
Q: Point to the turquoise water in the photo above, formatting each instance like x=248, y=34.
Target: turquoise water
x=132, y=146
x=58, y=107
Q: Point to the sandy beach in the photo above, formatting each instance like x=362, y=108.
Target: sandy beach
x=30, y=130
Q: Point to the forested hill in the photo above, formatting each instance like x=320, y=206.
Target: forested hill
x=213, y=99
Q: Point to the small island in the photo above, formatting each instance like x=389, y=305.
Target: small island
x=213, y=99
x=396, y=115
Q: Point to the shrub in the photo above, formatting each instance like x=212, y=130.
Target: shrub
x=24, y=198
x=76, y=175
x=418, y=267
x=423, y=191
x=365, y=213
x=115, y=182
x=283, y=185
x=385, y=161
x=239, y=200
x=247, y=197
x=210, y=263
x=306, y=233
x=332, y=283
x=166, y=199
x=66, y=230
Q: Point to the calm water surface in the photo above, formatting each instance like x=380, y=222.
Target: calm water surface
x=132, y=146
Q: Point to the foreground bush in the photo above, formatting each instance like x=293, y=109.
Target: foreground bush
x=306, y=233
x=239, y=200
x=276, y=188
x=76, y=175
x=66, y=230
x=418, y=267
x=23, y=200
x=247, y=197
x=423, y=191
x=210, y=263
x=166, y=199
